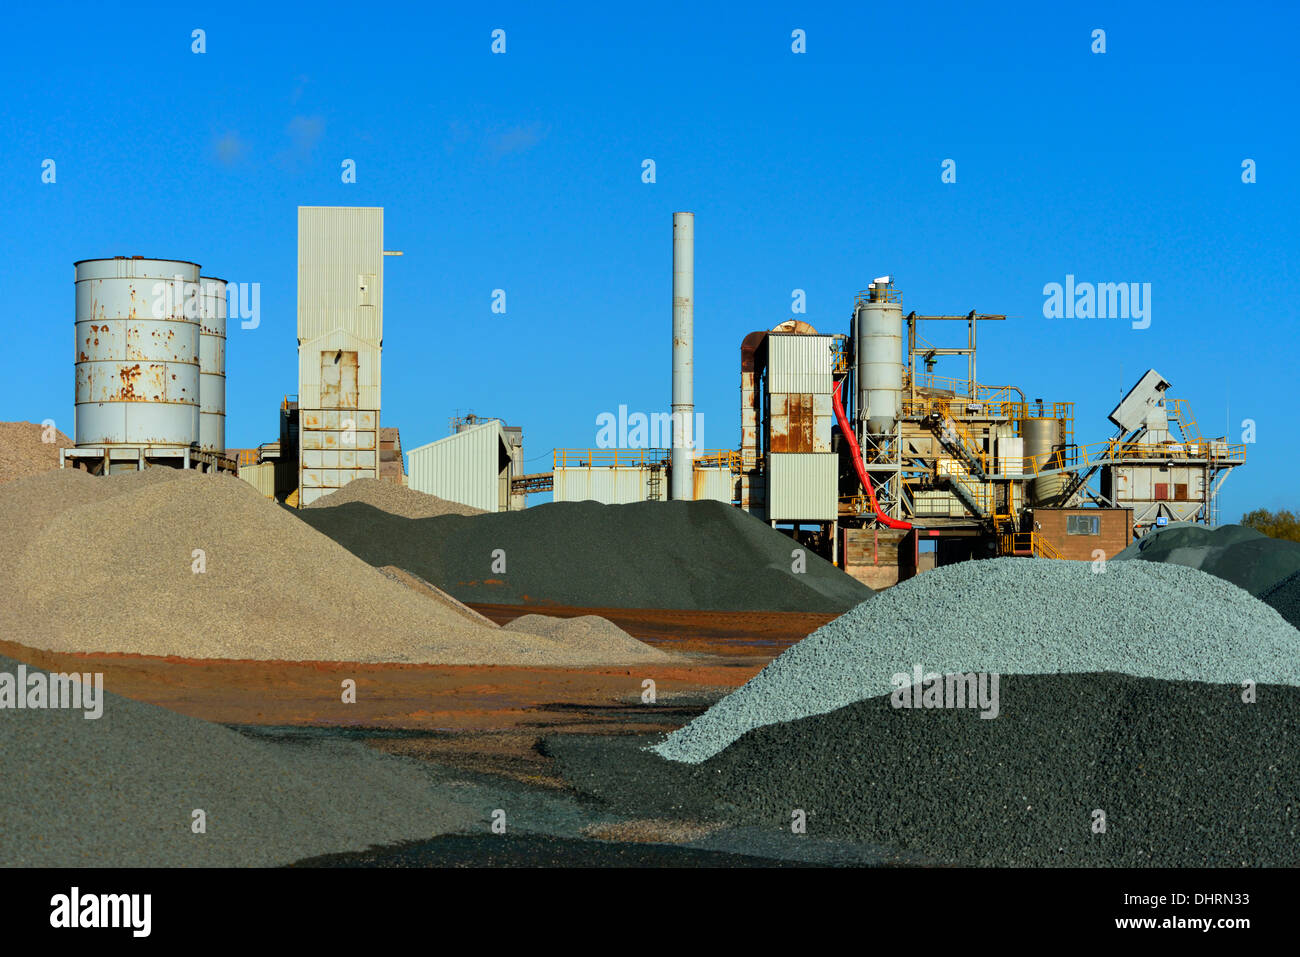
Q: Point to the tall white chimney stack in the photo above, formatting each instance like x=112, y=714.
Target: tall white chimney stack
x=683, y=455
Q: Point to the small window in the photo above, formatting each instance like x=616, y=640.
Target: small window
x=1083, y=525
x=365, y=290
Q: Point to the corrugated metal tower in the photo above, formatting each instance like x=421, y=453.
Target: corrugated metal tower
x=340, y=332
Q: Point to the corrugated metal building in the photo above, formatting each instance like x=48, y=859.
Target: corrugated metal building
x=605, y=484
x=719, y=485
x=802, y=471
x=340, y=331
x=261, y=477
x=473, y=467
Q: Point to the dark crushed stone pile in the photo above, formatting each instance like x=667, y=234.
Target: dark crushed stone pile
x=688, y=555
x=1186, y=773
x=119, y=791
x=539, y=850
x=1285, y=598
x=1240, y=554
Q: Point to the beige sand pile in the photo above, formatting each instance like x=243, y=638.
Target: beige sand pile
x=394, y=499
x=106, y=565
x=22, y=452
x=429, y=590
x=585, y=631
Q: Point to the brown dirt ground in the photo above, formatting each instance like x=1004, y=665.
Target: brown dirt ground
x=759, y=633
x=480, y=718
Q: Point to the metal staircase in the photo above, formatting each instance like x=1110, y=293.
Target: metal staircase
x=960, y=442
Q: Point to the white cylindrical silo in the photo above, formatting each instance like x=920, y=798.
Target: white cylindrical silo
x=212, y=364
x=137, y=352
x=683, y=458
x=879, y=351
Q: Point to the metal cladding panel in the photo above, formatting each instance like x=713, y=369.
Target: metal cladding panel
x=609, y=486
x=802, y=487
x=718, y=485
x=938, y=503
x=464, y=467
x=136, y=352
x=341, y=271
x=792, y=423
x=1011, y=455
x=309, y=369
x=337, y=447
x=797, y=363
x=261, y=477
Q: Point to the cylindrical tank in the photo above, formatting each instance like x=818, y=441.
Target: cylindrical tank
x=137, y=352
x=212, y=364
x=1043, y=450
x=879, y=352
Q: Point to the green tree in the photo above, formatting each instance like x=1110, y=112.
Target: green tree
x=1280, y=524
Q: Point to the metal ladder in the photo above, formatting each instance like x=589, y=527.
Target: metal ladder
x=1186, y=422
x=654, y=483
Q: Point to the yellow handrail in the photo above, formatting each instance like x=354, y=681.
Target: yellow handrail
x=1017, y=543
x=1113, y=450
x=640, y=458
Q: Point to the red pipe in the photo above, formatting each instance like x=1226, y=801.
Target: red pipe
x=856, y=451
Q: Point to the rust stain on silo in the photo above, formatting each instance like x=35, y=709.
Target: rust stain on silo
x=128, y=375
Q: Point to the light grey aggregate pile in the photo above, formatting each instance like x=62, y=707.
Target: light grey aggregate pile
x=119, y=792
x=1012, y=616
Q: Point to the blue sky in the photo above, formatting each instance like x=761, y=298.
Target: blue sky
x=816, y=171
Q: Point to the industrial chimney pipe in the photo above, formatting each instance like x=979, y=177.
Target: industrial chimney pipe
x=683, y=459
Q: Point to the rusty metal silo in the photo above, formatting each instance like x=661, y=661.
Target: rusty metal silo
x=137, y=352
x=212, y=364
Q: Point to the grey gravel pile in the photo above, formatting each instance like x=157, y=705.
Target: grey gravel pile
x=685, y=555
x=1237, y=553
x=394, y=499
x=1012, y=616
x=1285, y=598
x=1186, y=774
x=119, y=791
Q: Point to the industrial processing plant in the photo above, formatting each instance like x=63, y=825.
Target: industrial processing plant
x=850, y=442
x=571, y=475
